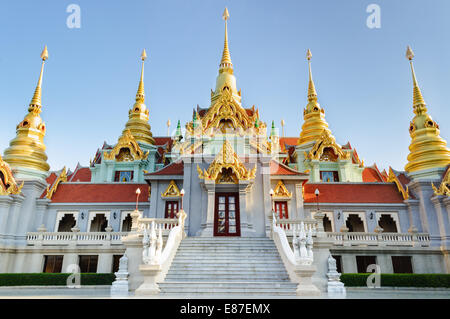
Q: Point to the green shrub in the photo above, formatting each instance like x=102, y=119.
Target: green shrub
x=51, y=279
x=400, y=280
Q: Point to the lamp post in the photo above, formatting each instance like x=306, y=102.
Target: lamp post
x=182, y=194
x=316, y=192
x=138, y=192
x=271, y=192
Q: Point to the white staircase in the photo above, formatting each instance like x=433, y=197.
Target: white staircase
x=226, y=266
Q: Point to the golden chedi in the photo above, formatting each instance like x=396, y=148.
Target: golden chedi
x=139, y=115
x=26, y=153
x=429, y=155
x=313, y=115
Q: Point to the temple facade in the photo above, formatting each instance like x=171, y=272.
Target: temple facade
x=235, y=179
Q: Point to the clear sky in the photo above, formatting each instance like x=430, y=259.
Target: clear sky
x=362, y=77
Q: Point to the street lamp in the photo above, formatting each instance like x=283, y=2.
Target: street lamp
x=316, y=192
x=271, y=192
x=182, y=194
x=138, y=192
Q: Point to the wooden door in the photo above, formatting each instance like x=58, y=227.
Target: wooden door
x=226, y=216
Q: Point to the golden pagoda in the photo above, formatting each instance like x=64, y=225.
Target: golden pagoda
x=138, y=116
x=26, y=153
x=313, y=115
x=428, y=151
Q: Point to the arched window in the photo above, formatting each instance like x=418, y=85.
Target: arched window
x=354, y=223
x=387, y=223
x=67, y=223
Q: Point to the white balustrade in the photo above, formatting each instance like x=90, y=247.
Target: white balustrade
x=379, y=239
x=77, y=238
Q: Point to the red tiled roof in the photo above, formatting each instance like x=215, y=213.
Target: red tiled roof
x=162, y=140
x=287, y=141
x=353, y=193
x=277, y=168
x=51, y=178
x=82, y=174
x=370, y=175
x=176, y=168
x=99, y=193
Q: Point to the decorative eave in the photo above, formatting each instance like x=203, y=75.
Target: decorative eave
x=62, y=178
x=227, y=158
x=444, y=187
x=171, y=191
x=392, y=178
x=126, y=141
x=281, y=191
x=327, y=140
x=8, y=185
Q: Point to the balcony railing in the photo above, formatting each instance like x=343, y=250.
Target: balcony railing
x=380, y=239
x=75, y=238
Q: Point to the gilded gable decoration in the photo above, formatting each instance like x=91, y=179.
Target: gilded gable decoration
x=126, y=149
x=444, y=188
x=8, y=185
x=62, y=178
x=225, y=159
x=392, y=178
x=282, y=191
x=326, y=149
x=172, y=190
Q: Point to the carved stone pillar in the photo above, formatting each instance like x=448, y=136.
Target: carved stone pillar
x=208, y=227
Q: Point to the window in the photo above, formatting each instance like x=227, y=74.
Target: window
x=53, y=263
x=281, y=209
x=171, y=209
x=362, y=262
x=126, y=224
x=327, y=224
x=116, y=262
x=354, y=223
x=67, y=223
x=123, y=176
x=329, y=176
x=387, y=223
x=402, y=264
x=88, y=263
x=99, y=223
x=338, y=263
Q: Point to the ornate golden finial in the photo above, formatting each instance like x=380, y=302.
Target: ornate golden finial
x=36, y=100
x=418, y=101
x=140, y=95
x=312, y=94
x=225, y=63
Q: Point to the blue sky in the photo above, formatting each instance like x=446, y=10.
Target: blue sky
x=361, y=75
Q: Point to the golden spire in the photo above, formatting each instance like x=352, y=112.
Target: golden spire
x=139, y=115
x=312, y=94
x=429, y=155
x=26, y=153
x=313, y=115
x=225, y=63
x=418, y=101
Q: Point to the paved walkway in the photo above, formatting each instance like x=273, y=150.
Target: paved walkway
x=102, y=292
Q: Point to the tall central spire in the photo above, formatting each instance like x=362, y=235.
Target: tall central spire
x=225, y=63
x=225, y=77
x=313, y=115
x=139, y=114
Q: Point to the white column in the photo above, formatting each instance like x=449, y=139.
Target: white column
x=299, y=202
x=208, y=230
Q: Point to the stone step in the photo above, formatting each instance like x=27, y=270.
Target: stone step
x=260, y=288
x=231, y=268
x=200, y=277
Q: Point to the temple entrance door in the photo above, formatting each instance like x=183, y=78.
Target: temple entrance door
x=226, y=215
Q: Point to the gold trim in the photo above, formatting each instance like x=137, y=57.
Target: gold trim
x=226, y=158
x=62, y=178
x=444, y=188
x=282, y=191
x=126, y=141
x=172, y=190
x=392, y=178
x=327, y=140
x=8, y=179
